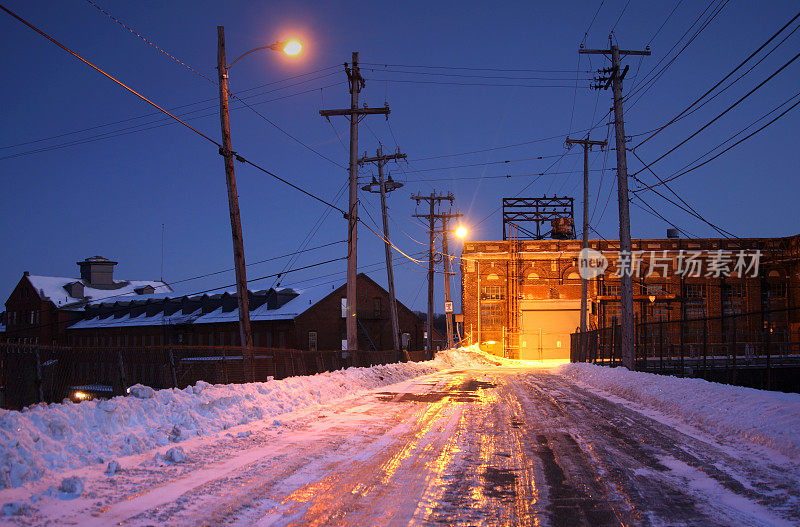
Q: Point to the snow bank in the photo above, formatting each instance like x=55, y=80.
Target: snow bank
x=58, y=437
x=770, y=419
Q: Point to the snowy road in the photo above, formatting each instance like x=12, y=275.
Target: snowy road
x=491, y=446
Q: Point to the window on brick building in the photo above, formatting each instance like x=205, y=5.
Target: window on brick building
x=281, y=339
x=776, y=289
x=312, y=341
x=492, y=292
x=491, y=315
x=612, y=289
x=734, y=290
x=695, y=290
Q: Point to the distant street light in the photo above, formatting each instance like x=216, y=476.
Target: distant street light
x=291, y=47
x=461, y=231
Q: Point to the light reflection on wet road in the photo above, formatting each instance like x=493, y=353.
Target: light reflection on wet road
x=522, y=447
x=493, y=446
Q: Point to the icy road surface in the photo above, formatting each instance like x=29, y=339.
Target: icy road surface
x=478, y=446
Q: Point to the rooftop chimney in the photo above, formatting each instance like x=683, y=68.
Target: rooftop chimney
x=97, y=271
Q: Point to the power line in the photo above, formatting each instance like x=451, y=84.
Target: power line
x=691, y=210
x=145, y=39
x=474, y=76
x=238, y=157
x=620, y=16
x=150, y=114
x=197, y=277
x=233, y=95
x=143, y=127
x=676, y=176
x=729, y=108
x=646, y=84
x=507, y=176
x=726, y=77
x=469, y=68
x=586, y=34
x=677, y=4
x=496, y=85
x=287, y=134
x=99, y=70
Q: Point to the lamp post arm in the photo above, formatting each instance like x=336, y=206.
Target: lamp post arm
x=275, y=46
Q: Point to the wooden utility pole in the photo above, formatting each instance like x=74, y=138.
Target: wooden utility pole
x=245, y=335
x=432, y=200
x=384, y=187
x=354, y=113
x=448, y=302
x=587, y=145
x=614, y=79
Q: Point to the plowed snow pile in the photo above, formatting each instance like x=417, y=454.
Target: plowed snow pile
x=770, y=419
x=58, y=437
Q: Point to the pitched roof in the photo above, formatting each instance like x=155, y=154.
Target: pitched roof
x=53, y=288
x=274, y=304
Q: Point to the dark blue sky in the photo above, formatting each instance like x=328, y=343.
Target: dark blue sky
x=82, y=195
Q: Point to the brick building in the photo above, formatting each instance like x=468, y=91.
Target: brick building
x=280, y=318
x=522, y=297
x=97, y=310
x=41, y=308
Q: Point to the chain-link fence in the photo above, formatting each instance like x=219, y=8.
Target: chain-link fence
x=34, y=373
x=740, y=348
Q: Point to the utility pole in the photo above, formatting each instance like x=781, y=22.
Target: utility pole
x=354, y=113
x=245, y=335
x=614, y=79
x=587, y=145
x=432, y=200
x=448, y=303
x=385, y=187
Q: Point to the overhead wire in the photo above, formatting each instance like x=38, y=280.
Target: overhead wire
x=726, y=77
x=684, y=172
x=720, y=115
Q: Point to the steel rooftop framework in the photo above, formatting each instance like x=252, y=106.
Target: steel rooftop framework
x=536, y=211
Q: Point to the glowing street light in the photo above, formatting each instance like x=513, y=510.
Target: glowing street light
x=292, y=47
x=461, y=231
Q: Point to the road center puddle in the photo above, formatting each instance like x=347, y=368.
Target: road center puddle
x=470, y=390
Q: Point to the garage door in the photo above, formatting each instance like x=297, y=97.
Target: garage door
x=546, y=333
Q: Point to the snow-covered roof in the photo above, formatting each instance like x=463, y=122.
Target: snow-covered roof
x=142, y=320
x=53, y=288
x=109, y=315
x=291, y=309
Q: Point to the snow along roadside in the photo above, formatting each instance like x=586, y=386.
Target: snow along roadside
x=769, y=419
x=62, y=436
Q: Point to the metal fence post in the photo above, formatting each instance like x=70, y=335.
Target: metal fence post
x=661, y=342
x=122, y=376
x=39, y=387
x=705, y=348
x=172, y=368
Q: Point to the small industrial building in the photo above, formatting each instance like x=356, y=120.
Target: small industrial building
x=521, y=298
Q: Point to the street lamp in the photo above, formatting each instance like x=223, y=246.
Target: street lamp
x=290, y=48
x=461, y=231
